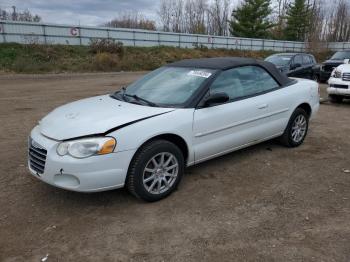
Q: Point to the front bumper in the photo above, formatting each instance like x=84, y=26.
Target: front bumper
x=92, y=174
x=338, y=91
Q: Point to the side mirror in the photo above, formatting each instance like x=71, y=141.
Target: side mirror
x=346, y=61
x=294, y=66
x=215, y=99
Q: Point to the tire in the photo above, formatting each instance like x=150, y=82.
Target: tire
x=335, y=98
x=151, y=182
x=288, y=138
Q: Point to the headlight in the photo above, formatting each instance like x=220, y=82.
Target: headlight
x=83, y=148
x=337, y=74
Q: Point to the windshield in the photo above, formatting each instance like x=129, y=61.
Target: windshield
x=279, y=60
x=168, y=86
x=341, y=55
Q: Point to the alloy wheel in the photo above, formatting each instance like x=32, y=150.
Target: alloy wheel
x=160, y=173
x=299, y=128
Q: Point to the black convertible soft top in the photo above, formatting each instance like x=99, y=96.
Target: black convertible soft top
x=224, y=63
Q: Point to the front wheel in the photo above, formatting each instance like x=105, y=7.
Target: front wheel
x=155, y=171
x=297, y=129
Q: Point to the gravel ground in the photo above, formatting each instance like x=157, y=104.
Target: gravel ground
x=264, y=203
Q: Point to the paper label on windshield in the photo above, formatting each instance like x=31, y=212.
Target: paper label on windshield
x=199, y=73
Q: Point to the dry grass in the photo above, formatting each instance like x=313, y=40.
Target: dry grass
x=58, y=58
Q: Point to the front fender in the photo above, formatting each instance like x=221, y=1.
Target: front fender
x=179, y=122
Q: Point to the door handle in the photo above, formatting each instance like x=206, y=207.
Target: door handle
x=263, y=106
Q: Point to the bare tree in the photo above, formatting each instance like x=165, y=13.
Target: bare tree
x=171, y=15
x=339, y=26
x=25, y=15
x=177, y=16
x=218, y=14
x=165, y=14
x=317, y=19
x=278, y=16
x=194, y=16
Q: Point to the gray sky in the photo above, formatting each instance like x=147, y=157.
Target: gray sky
x=87, y=12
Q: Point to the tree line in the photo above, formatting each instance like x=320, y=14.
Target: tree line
x=294, y=20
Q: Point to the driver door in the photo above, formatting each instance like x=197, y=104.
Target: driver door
x=243, y=120
x=297, y=71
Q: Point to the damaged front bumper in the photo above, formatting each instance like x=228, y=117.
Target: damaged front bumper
x=92, y=174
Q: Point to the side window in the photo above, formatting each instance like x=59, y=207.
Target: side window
x=306, y=60
x=243, y=82
x=298, y=60
x=309, y=59
x=312, y=59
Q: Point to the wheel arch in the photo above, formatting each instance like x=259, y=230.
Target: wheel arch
x=306, y=107
x=173, y=138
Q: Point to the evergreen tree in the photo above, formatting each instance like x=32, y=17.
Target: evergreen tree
x=297, y=21
x=251, y=19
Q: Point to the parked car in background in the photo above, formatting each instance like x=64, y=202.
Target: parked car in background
x=328, y=66
x=299, y=65
x=339, y=83
x=182, y=114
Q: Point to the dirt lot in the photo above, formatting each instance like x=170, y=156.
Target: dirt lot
x=265, y=203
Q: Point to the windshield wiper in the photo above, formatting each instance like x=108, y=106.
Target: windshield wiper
x=123, y=92
x=120, y=95
x=140, y=99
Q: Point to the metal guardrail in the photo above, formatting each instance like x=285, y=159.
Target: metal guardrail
x=42, y=33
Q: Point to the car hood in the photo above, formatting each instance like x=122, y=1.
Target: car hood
x=333, y=62
x=344, y=68
x=95, y=115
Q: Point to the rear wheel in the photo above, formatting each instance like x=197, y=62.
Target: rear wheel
x=297, y=128
x=335, y=98
x=155, y=171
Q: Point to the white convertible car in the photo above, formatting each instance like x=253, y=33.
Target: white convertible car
x=339, y=83
x=144, y=136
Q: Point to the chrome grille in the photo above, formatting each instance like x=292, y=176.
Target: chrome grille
x=37, y=156
x=346, y=77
